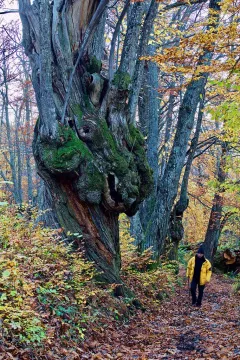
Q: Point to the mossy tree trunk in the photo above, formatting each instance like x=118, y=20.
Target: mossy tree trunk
x=92, y=159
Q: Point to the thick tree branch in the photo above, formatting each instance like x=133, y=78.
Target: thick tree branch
x=88, y=35
x=138, y=71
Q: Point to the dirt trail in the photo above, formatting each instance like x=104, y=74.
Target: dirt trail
x=178, y=330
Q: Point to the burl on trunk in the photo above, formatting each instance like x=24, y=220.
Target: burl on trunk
x=90, y=156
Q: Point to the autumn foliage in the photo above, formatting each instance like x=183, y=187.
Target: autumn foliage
x=53, y=304
x=50, y=296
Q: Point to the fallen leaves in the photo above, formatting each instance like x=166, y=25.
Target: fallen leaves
x=177, y=331
x=61, y=310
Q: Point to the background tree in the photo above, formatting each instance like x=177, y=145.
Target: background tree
x=17, y=114
x=165, y=224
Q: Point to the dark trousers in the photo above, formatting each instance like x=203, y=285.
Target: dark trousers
x=196, y=300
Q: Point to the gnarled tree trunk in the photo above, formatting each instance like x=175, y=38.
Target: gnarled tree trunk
x=92, y=159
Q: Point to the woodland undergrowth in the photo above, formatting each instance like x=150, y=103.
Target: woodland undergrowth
x=49, y=296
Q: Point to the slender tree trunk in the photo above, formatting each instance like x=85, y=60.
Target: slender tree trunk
x=139, y=67
x=46, y=215
x=215, y=219
x=164, y=153
x=18, y=156
x=11, y=158
x=28, y=153
x=130, y=47
x=149, y=122
x=176, y=229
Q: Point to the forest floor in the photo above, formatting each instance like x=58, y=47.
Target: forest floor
x=51, y=307
x=176, y=330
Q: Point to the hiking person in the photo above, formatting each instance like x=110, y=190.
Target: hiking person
x=199, y=272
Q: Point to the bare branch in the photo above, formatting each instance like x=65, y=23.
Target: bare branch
x=204, y=150
x=182, y=3
x=113, y=42
x=201, y=202
x=8, y=11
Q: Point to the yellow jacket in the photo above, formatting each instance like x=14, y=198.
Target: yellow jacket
x=206, y=270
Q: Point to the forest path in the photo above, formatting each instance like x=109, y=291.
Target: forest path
x=178, y=330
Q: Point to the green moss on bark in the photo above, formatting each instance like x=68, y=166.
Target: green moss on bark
x=67, y=154
x=91, y=184
x=79, y=113
x=94, y=65
x=136, y=142
x=131, y=167
x=88, y=104
x=95, y=179
x=122, y=80
x=117, y=159
x=136, y=136
x=89, y=165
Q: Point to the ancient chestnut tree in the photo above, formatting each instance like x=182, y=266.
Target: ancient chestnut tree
x=87, y=149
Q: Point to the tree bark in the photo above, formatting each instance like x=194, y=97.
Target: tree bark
x=130, y=47
x=46, y=213
x=28, y=153
x=18, y=156
x=90, y=157
x=215, y=219
x=148, y=108
x=16, y=180
x=143, y=45
x=168, y=185
x=176, y=229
